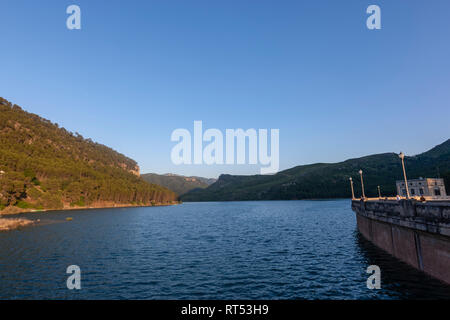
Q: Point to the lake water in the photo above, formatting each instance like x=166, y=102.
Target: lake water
x=221, y=250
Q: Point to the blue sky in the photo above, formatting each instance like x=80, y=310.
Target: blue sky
x=137, y=70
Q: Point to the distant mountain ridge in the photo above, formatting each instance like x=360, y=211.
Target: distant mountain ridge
x=43, y=166
x=329, y=180
x=178, y=183
x=208, y=181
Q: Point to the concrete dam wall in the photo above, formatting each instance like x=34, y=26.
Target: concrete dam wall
x=415, y=232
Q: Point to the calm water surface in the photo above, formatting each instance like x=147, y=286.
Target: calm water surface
x=229, y=250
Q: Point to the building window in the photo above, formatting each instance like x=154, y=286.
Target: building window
x=413, y=192
x=404, y=192
x=421, y=191
x=437, y=192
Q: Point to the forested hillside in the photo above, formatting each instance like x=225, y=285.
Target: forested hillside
x=329, y=180
x=45, y=166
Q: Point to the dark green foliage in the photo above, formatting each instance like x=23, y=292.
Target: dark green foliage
x=80, y=203
x=49, y=167
x=324, y=180
x=178, y=184
x=24, y=205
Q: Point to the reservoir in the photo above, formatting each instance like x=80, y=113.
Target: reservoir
x=216, y=250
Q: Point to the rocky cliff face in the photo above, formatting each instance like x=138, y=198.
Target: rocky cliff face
x=134, y=169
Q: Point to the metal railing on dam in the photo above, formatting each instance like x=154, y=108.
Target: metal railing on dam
x=416, y=232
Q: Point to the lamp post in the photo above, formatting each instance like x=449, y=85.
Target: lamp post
x=379, y=192
x=351, y=186
x=362, y=184
x=402, y=156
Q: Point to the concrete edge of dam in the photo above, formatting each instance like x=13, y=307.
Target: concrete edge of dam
x=415, y=232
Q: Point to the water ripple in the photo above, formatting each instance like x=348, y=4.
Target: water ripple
x=232, y=250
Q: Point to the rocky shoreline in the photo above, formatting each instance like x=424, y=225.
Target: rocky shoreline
x=8, y=224
x=105, y=205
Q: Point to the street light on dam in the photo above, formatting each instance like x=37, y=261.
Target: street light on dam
x=379, y=192
x=351, y=186
x=402, y=156
x=362, y=184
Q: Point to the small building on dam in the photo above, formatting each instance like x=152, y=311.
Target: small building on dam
x=428, y=187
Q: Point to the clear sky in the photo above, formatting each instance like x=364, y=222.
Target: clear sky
x=137, y=70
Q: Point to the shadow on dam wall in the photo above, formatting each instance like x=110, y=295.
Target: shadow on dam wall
x=416, y=232
x=404, y=281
